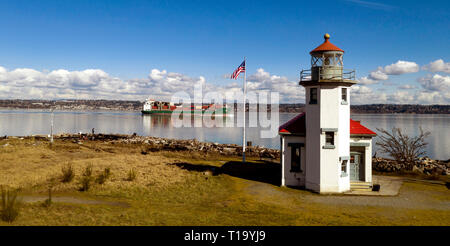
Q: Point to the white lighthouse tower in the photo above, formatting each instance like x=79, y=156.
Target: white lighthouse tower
x=327, y=89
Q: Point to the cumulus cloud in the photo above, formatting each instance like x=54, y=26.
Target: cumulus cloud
x=366, y=81
x=438, y=66
x=28, y=83
x=382, y=73
x=432, y=97
x=25, y=83
x=401, y=67
x=435, y=82
x=290, y=91
x=88, y=84
x=360, y=94
x=378, y=75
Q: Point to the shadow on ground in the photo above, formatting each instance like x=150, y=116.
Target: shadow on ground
x=262, y=171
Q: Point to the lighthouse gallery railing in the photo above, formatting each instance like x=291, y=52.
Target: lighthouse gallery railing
x=328, y=73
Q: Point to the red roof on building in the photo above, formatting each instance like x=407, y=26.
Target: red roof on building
x=357, y=129
x=297, y=126
x=326, y=46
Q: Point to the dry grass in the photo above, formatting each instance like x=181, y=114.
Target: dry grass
x=29, y=165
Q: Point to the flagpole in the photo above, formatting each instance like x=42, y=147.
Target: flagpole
x=244, y=143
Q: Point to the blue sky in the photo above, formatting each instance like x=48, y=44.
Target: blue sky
x=125, y=40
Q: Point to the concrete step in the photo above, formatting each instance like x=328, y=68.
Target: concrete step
x=360, y=189
x=360, y=186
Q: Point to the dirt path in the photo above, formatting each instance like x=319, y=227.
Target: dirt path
x=70, y=199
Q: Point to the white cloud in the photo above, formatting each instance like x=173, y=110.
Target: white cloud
x=432, y=97
x=438, y=66
x=290, y=91
x=435, y=83
x=366, y=81
x=361, y=90
x=378, y=75
x=407, y=87
x=401, y=97
x=27, y=83
x=401, y=67
x=365, y=95
x=360, y=94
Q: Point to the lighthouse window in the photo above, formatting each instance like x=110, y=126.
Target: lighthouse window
x=295, y=158
x=344, y=168
x=329, y=138
x=313, y=96
x=344, y=94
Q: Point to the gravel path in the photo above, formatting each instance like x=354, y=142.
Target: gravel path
x=411, y=197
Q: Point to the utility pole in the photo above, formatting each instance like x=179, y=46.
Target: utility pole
x=51, y=128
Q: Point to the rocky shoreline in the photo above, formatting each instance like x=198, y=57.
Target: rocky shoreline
x=151, y=144
x=424, y=165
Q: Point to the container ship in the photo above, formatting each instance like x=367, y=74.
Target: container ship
x=164, y=108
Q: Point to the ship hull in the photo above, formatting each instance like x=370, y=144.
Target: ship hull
x=168, y=112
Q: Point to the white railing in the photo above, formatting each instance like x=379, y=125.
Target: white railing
x=327, y=73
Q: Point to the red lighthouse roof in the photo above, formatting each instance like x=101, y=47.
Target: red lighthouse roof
x=297, y=126
x=326, y=46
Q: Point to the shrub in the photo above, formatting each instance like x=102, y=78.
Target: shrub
x=10, y=205
x=102, y=177
x=68, y=173
x=86, y=179
x=131, y=175
x=88, y=171
x=85, y=183
x=401, y=147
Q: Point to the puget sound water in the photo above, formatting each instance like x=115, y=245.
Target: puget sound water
x=36, y=122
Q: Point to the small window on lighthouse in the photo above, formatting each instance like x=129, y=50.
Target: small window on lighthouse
x=295, y=159
x=313, y=96
x=329, y=138
x=344, y=168
x=344, y=95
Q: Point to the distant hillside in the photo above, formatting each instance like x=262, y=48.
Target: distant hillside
x=380, y=109
x=286, y=108
x=400, y=108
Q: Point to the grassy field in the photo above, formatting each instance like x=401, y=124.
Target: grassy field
x=185, y=188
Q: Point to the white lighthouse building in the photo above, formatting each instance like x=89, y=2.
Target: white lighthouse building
x=323, y=150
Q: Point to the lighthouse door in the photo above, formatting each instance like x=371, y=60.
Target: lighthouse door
x=355, y=161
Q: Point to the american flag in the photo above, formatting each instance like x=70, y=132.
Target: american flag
x=238, y=70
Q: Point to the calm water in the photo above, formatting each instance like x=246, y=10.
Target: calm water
x=28, y=122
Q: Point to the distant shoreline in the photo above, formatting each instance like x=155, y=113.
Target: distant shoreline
x=136, y=106
x=139, y=111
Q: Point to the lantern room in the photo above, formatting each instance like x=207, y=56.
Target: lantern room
x=327, y=64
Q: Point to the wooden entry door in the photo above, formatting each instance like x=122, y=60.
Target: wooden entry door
x=355, y=164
